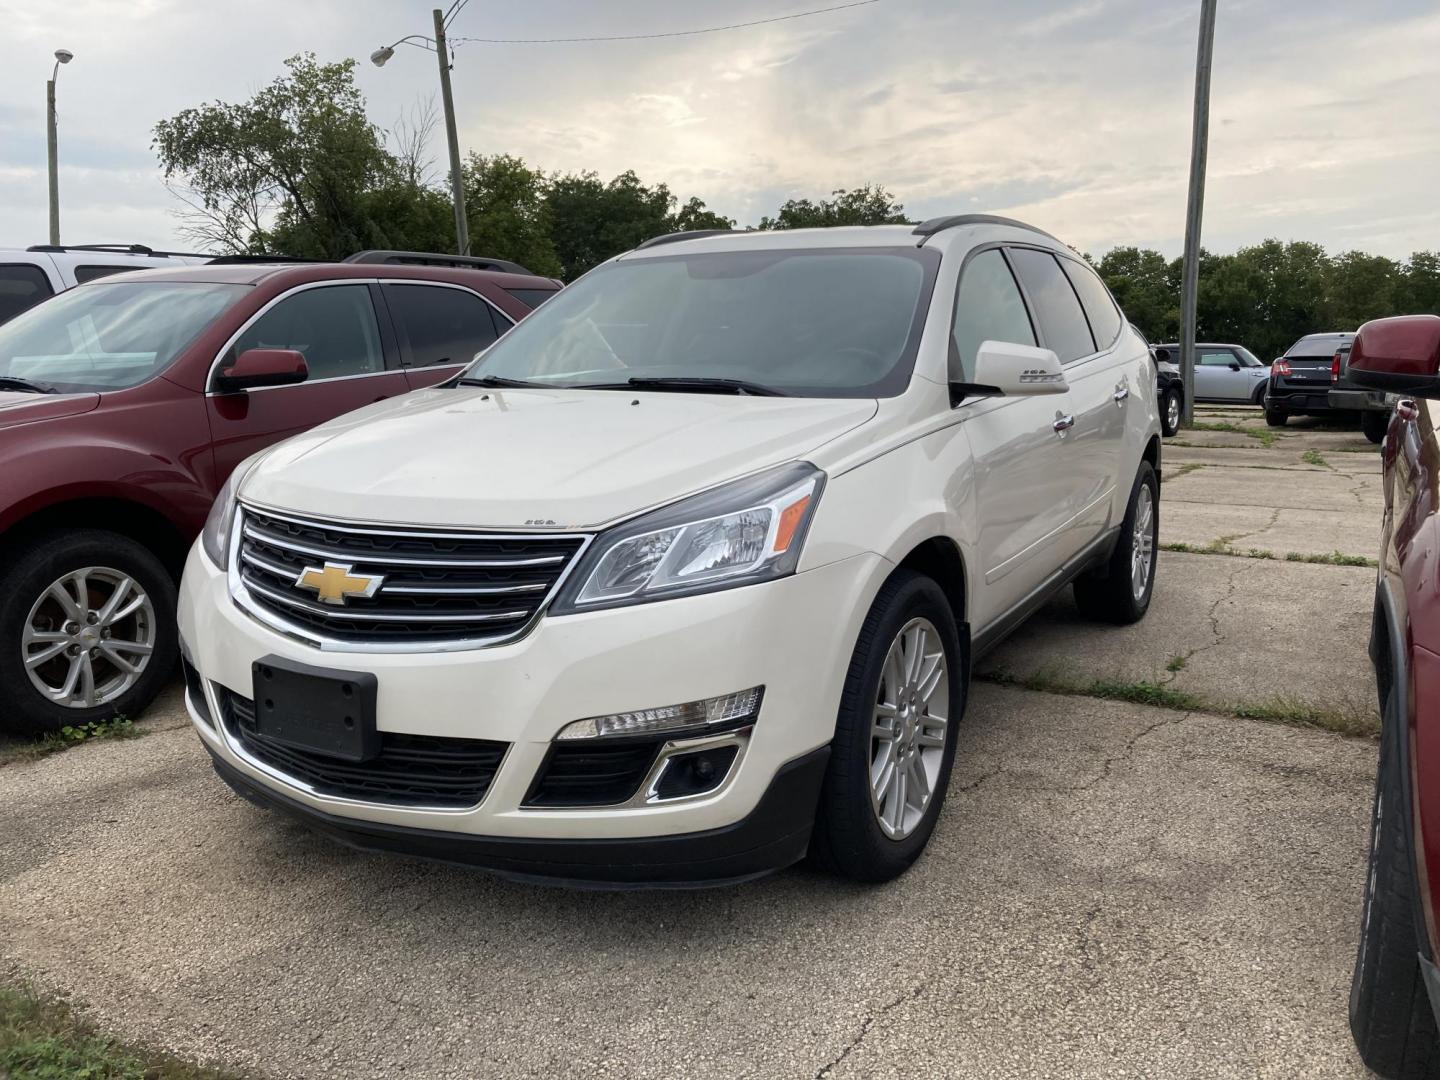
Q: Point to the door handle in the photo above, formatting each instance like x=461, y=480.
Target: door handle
x=1063, y=423
x=1121, y=394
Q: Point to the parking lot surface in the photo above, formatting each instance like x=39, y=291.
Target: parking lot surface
x=1113, y=889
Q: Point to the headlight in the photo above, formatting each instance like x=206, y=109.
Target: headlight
x=737, y=534
x=215, y=537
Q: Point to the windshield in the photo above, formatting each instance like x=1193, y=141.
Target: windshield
x=838, y=322
x=110, y=336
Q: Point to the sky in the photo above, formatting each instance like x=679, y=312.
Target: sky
x=1074, y=116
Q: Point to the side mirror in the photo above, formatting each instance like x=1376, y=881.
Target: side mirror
x=1401, y=355
x=262, y=367
x=1003, y=369
x=1234, y=365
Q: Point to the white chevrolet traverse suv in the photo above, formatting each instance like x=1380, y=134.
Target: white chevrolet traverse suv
x=684, y=577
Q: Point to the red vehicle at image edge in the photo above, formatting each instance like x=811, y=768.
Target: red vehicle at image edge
x=1395, y=993
x=126, y=402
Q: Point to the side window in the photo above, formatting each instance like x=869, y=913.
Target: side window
x=22, y=286
x=1216, y=358
x=333, y=327
x=988, y=307
x=1057, y=309
x=1096, y=299
x=90, y=273
x=445, y=326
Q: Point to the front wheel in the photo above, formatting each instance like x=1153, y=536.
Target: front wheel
x=894, y=736
x=1390, y=1015
x=87, y=631
x=1120, y=591
x=1170, y=410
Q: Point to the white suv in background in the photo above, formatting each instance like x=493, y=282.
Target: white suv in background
x=686, y=574
x=39, y=272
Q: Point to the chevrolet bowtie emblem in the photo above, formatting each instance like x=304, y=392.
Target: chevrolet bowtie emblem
x=335, y=583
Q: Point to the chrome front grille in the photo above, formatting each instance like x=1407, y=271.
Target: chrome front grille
x=436, y=587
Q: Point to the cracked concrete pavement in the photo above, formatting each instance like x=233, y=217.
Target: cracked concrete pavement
x=1112, y=890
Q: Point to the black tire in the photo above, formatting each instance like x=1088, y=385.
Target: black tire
x=32, y=567
x=1166, y=427
x=1390, y=1014
x=847, y=838
x=1374, y=424
x=1276, y=417
x=1259, y=399
x=1107, y=594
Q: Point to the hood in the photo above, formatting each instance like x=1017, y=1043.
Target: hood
x=515, y=459
x=22, y=407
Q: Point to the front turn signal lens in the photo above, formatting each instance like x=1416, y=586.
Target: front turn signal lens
x=691, y=718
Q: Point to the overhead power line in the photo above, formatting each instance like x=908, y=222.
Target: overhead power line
x=669, y=34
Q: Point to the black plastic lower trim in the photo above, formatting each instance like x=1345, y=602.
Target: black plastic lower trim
x=772, y=836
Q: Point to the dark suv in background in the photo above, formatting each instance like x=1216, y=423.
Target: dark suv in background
x=127, y=401
x=1300, y=380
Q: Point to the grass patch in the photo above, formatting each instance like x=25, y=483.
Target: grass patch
x=120, y=727
x=1314, y=457
x=1348, y=721
x=1265, y=435
x=43, y=1039
x=1335, y=558
x=1177, y=663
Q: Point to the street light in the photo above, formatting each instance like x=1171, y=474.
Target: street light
x=457, y=183
x=62, y=56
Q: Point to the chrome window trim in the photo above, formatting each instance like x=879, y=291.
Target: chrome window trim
x=294, y=783
x=240, y=593
x=272, y=302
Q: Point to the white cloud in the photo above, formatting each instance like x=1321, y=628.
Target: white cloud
x=1076, y=116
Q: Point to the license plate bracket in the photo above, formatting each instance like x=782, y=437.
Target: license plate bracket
x=318, y=710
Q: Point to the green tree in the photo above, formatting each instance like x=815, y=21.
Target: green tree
x=1361, y=287
x=1420, y=289
x=505, y=202
x=590, y=220
x=1147, y=292
x=867, y=205
x=298, y=169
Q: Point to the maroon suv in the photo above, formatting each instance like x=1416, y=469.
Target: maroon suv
x=125, y=404
x=1395, y=995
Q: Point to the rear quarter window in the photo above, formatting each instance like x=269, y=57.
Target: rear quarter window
x=532, y=298
x=90, y=273
x=21, y=286
x=1062, y=322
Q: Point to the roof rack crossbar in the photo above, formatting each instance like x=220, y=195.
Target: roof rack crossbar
x=676, y=237
x=934, y=225
x=431, y=258
x=247, y=260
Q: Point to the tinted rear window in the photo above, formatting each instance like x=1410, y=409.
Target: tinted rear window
x=21, y=286
x=90, y=273
x=1317, y=349
x=1056, y=307
x=532, y=298
x=1099, y=308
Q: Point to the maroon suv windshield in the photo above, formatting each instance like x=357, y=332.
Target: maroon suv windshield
x=109, y=336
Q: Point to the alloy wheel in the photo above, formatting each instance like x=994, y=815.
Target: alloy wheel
x=89, y=637
x=1142, y=547
x=908, y=731
x=1172, y=411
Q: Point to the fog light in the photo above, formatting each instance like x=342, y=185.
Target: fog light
x=699, y=717
x=695, y=773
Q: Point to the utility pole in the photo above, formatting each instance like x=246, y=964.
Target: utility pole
x=53, y=151
x=1199, y=148
x=457, y=179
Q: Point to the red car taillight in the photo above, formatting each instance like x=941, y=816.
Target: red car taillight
x=1280, y=367
x=1335, y=368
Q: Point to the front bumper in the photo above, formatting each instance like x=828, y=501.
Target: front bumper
x=772, y=836
x=793, y=636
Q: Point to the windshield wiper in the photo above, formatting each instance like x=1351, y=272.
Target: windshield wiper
x=704, y=385
x=496, y=380
x=13, y=382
